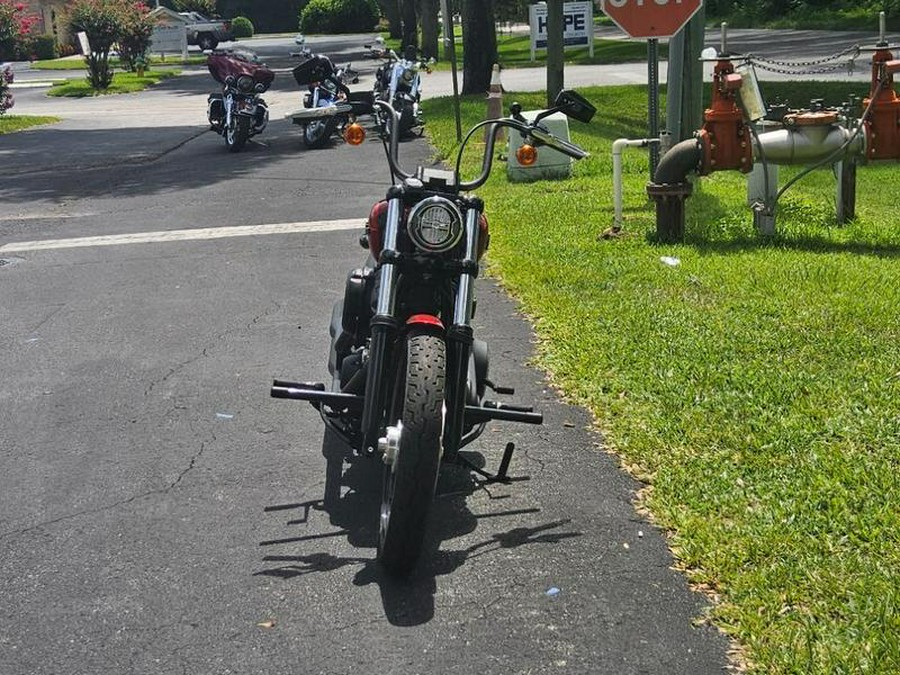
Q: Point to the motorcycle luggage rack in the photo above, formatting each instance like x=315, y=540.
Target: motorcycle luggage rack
x=305, y=115
x=315, y=394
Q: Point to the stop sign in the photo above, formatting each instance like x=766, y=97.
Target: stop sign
x=650, y=18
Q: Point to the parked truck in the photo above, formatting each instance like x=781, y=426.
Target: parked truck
x=206, y=33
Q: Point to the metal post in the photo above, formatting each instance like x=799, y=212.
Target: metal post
x=845, y=199
x=653, y=108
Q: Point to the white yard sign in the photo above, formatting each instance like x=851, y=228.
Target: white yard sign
x=170, y=33
x=578, y=25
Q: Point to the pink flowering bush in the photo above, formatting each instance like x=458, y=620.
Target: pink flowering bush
x=15, y=31
x=6, y=97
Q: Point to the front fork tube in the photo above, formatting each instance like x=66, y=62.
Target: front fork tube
x=383, y=328
x=459, y=336
x=229, y=109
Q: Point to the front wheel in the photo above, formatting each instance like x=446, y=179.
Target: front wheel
x=413, y=456
x=207, y=42
x=316, y=134
x=237, y=133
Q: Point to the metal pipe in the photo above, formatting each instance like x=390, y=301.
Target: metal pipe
x=677, y=163
x=618, y=146
x=806, y=144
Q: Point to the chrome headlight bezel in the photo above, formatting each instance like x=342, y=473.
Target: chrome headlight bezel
x=432, y=216
x=245, y=83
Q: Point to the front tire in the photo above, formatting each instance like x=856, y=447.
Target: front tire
x=317, y=134
x=237, y=133
x=410, y=476
x=207, y=42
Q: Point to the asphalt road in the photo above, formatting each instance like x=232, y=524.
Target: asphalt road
x=159, y=513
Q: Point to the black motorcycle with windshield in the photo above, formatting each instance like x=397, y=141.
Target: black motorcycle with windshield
x=409, y=377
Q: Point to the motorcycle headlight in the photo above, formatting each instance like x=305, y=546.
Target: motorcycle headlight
x=408, y=75
x=435, y=225
x=245, y=83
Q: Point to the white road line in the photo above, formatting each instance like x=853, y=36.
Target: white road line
x=184, y=235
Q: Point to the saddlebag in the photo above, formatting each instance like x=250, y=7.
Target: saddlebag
x=215, y=108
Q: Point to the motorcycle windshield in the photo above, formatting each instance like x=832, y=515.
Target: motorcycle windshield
x=222, y=65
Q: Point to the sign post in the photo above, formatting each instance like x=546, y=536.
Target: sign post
x=651, y=20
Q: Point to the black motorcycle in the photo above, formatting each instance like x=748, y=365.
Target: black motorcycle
x=239, y=111
x=329, y=105
x=399, y=82
x=409, y=378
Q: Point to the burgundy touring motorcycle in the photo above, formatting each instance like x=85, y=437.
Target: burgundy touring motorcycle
x=239, y=112
x=409, y=377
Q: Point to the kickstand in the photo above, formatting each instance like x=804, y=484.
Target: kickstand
x=501, y=476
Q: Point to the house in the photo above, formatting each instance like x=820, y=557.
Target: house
x=50, y=13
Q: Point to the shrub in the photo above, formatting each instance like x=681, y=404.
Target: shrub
x=15, y=31
x=267, y=16
x=339, y=16
x=6, y=97
x=242, y=27
x=101, y=20
x=135, y=33
x=44, y=47
x=205, y=7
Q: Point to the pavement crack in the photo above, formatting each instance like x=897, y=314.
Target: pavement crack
x=536, y=460
x=274, y=308
x=190, y=466
x=115, y=505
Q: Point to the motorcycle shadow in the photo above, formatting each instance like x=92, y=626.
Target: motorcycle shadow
x=352, y=501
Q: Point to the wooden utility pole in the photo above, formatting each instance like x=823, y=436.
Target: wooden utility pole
x=555, y=50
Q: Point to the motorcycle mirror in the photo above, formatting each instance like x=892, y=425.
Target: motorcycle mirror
x=574, y=105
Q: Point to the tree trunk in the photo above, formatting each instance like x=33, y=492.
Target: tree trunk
x=428, y=19
x=479, y=45
x=408, y=15
x=391, y=11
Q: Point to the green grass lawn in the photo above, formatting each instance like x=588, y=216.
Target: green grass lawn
x=514, y=51
x=754, y=387
x=78, y=63
x=123, y=83
x=12, y=123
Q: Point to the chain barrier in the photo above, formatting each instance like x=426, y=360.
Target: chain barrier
x=827, y=64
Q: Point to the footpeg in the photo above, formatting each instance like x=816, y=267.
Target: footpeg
x=508, y=391
x=316, y=394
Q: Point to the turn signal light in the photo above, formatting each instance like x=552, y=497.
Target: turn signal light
x=354, y=134
x=526, y=155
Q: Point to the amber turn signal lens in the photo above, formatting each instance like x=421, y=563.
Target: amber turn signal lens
x=526, y=154
x=354, y=134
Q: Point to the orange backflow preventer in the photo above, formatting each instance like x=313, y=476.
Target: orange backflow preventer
x=725, y=138
x=883, y=123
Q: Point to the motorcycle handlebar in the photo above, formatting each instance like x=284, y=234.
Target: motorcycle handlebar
x=544, y=137
x=530, y=130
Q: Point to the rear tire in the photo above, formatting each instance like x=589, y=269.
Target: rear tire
x=410, y=479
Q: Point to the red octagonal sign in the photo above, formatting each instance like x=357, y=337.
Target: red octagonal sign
x=650, y=18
